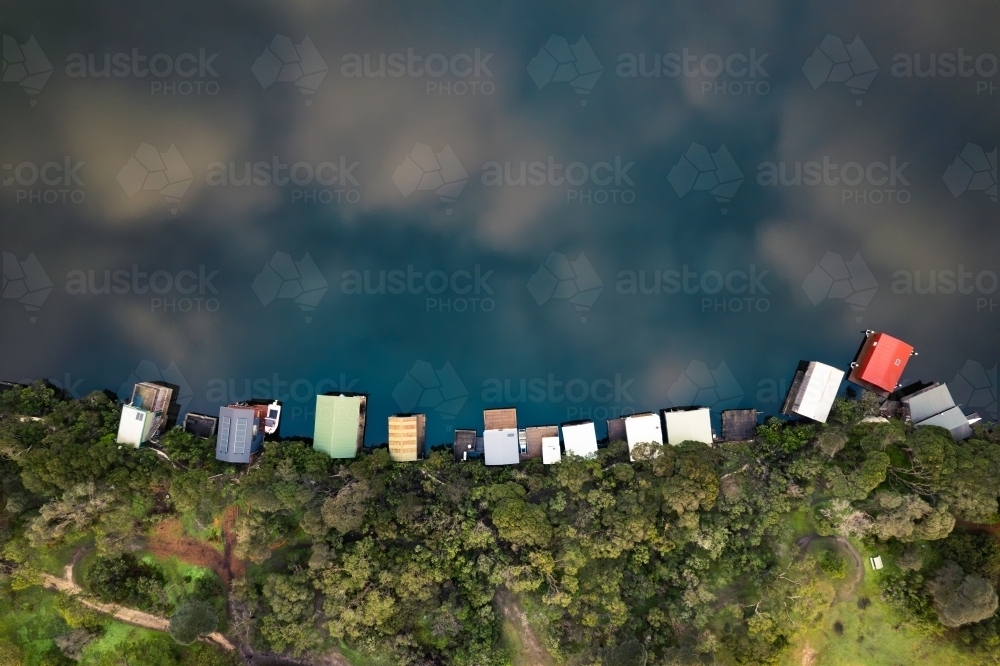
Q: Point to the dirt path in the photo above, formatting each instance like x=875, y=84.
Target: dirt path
x=989, y=528
x=168, y=540
x=534, y=651
x=68, y=586
x=859, y=569
x=808, y=656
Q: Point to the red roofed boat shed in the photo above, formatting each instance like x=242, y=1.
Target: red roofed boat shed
x=880, y=363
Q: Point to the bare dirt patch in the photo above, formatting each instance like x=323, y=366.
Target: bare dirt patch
x=168, y=540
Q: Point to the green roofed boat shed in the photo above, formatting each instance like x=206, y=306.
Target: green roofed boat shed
x=340, y=424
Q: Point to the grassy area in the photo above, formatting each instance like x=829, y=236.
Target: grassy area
x=800, y=523
x=849, y=635
x=30, y=622
x=185, y=580
x=52, y=559
x=115, y=633
x=212, y=535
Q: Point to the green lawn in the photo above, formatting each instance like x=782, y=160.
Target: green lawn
x=30, y=621
x=875, y=636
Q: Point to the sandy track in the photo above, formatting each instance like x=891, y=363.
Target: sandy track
x=533, y=648
x=68, y=586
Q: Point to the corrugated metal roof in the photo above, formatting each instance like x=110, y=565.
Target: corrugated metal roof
x=407, y=436
x=500, y=447
x=880, y=363
x=929, y=401
x=813, y=391
x=580, y=438
x=236, y=440
x=684, y=425
x=952, y=419
x=551, y=453
x=643, y=429
x=340, y=424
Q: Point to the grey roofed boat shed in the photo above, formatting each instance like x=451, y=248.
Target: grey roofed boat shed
x=954, y=420
x=241, y=433
x=933, y=405
x=928, y=401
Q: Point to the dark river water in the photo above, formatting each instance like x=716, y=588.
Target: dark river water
x=580, y=212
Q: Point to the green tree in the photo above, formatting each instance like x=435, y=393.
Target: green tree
x=345, y=512
x=521, y=523
x=630, y=653
x=192, y=619
x=961, y=598
x=78, y=508
x=72, y=643
x=975, y=552
x=186, y=449
x=832, y=564
x=910, y=518
x=127, y=580
x=292, y=599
